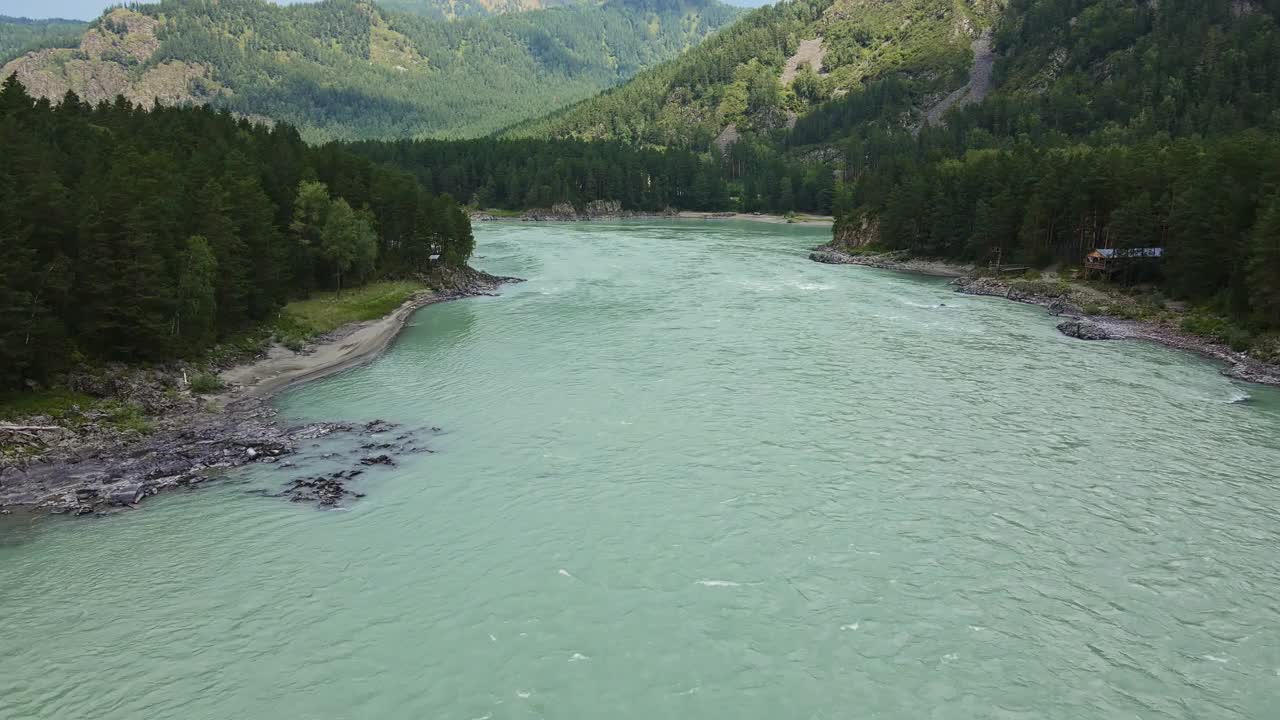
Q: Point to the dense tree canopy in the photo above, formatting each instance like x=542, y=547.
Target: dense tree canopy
x=518, y=174
x=140, y=234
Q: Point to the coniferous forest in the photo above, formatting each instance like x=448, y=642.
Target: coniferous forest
x=521, y=174
x=140, y=235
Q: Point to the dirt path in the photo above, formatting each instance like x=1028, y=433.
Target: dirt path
x=978, y=87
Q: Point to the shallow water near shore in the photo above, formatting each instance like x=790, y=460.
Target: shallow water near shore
x=685, y=472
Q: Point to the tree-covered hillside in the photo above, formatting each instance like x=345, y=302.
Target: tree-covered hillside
x=349, y=69
x=19, y=36
x=456, y=9
x=781, y=62
x=137, y=235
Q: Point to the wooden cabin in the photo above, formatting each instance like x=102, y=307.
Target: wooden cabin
x=1109, y=260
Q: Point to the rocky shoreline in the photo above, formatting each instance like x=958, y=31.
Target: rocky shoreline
x=565, y=212
x=1078, y=324
x=1056, y=300
x=603, y=210
x=96, y=470
x=901, y=262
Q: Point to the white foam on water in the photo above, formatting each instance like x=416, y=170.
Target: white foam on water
x=735, y=498
x=1239, y=398
x=1215, y=658
x=851, y=626
x=977, y=628
x=565, y=573
x=492, y=638
x=812, y=286
x=718, y=583
x=577, y=657
x=486, y=716
x=523, y=694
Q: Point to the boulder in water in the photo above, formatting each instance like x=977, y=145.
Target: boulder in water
x=1084, y=330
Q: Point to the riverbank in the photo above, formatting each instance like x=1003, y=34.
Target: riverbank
x=605, y=211
x=799, y=219
x=93, y=467
x=901, y=262
x=1088, y=312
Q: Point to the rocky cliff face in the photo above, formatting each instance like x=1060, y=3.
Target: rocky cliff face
x=110, y=62
x=856, y=232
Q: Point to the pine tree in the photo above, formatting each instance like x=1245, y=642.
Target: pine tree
x=196, y=297
x=1264, y=266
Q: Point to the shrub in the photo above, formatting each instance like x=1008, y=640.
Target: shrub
x=206, y=383
x=1239, y=339
x=1205, y=325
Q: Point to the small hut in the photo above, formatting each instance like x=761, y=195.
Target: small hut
x=1108, y=261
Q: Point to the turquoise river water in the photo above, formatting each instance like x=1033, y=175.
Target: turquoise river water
x=683, y=472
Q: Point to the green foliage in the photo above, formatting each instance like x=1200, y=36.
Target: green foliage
x=125, y=417
x=348, y=242
x=455, y=9
x=206, y=384
x=878, y=55
x=57, y=403
x=147, y=235
x=18, y=36
x=302, y=320
x=197, y=306
x=519, y=174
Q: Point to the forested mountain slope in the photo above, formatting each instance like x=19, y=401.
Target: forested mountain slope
x=455, y=9
x=779, y=63
x=21, y=35
x=349, y=69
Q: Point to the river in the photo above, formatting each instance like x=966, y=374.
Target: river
x=683, y=472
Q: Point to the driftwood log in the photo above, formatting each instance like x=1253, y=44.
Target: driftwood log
x=27, y=433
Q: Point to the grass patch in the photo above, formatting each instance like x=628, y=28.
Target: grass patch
x=324, y=312
x=72, y=409
x=1218, y=329
x=56, y=403
x=125, y=416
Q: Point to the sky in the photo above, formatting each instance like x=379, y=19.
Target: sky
x=89, y=9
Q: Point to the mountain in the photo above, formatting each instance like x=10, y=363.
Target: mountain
x=455, y=9
x=779, y=63
x=21, y=35
x=350, y=69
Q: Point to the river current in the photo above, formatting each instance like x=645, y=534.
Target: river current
x=683, y=472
